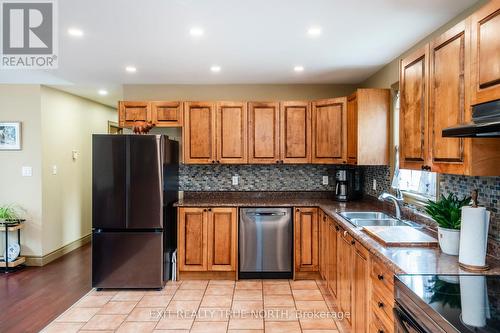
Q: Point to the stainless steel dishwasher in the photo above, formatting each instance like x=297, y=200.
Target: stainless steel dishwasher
x=265, y=243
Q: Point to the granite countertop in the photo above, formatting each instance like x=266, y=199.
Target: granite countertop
x=402, y=260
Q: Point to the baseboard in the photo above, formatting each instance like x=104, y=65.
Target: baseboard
x=49, y=257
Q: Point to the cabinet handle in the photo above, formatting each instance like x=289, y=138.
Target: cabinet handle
x=337, y=228
x=380, y=304
x=353, y=242
x=210, y=209
x=282, y=162
x=380, y=277
x=213, y=161
x=277, y=161
x=205, y=210
x=218, y=162
x=324, y=218
x=380, y=331
x=297, y=210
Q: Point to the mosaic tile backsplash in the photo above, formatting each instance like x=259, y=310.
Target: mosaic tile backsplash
x=489, y=196
x=256, y=177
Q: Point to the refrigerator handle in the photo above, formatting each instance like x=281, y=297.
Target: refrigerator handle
x=127, y=180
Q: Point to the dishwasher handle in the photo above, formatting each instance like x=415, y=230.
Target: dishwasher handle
x=266, y=214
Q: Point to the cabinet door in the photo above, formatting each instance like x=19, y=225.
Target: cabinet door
x=295, y=138
x=352, y=129
x=485, y=53
x=413, y=109
x=448, y=98
x=199, y=133
x=360, y=296
x=306, y=240
x=222, y=239
x=345, y=269
x=329, y=131
x=332, y=257
x=263, y=136
x=167, y=114
x=133, y=111
x=192, y=245
x=321, y=227
x=231, y=127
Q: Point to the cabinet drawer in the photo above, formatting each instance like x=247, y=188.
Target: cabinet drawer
x=377, y=326
x=381, y=276
x=382, y=306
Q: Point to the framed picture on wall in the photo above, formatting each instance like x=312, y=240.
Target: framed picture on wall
x=10, y=135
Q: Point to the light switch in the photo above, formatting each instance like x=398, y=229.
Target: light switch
x=27, y=171
x=374, y=185
x=325, y=180
x=54, y=169
x=74, y=154
x=234, y=180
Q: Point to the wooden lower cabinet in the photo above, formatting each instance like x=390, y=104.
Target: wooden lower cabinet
x=361, y=289
x=207, y=239
x=333, y=230
x=323, y=244
x=361, y=284
x=306, y=239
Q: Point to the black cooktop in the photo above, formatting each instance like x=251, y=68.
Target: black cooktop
x=468, y=303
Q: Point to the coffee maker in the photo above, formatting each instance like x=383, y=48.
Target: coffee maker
x=348, y=183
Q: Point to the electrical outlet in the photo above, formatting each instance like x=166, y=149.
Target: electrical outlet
x=234, y=180
x=325, y=180
x=374, y=186
x=27, y=171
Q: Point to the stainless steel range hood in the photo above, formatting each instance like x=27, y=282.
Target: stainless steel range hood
x=485, y=123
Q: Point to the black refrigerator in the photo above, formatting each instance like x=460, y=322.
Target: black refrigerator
x=135, y=182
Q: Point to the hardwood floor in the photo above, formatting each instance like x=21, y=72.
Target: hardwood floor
x=31, y=298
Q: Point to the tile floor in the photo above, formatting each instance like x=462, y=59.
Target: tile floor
x=204, y=306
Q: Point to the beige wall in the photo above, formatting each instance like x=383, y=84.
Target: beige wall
x=389, y=74
x=255, y=92
x=68, y=122
x=22, y=103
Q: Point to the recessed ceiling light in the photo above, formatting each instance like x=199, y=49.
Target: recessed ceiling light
x=131, y=69
x=298, y=68
x=196, y=32
x=215, y=68
x=75, y=32
x=102, y=92
x=314, y=31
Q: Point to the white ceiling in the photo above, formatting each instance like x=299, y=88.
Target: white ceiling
x=257, y=41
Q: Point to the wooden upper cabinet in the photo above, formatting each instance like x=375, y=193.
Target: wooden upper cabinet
x=131, y=111
x=306, y=240
x=231, y=128
x=222, y=239
x=413, y=109
x=329, y=134
x=263, y=132
x=352, y=129
x=199, y=133
x=295, y=126
x=166, y=114
x=368, y=132
x=192, y=239
x=485, y=53
x=449, y=99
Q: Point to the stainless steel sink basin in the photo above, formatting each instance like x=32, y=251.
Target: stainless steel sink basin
x=364, y=219
x=365, y=215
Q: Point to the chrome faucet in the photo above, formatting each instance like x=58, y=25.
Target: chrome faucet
x=396, y=200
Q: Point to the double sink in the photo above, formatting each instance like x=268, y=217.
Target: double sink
x=364, y=219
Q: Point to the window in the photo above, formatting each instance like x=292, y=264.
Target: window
x=418, y=183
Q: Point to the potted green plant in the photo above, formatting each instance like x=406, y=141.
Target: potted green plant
x=447, y=213
x=10, y=213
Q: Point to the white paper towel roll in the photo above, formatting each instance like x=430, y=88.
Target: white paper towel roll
x=474, y=236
